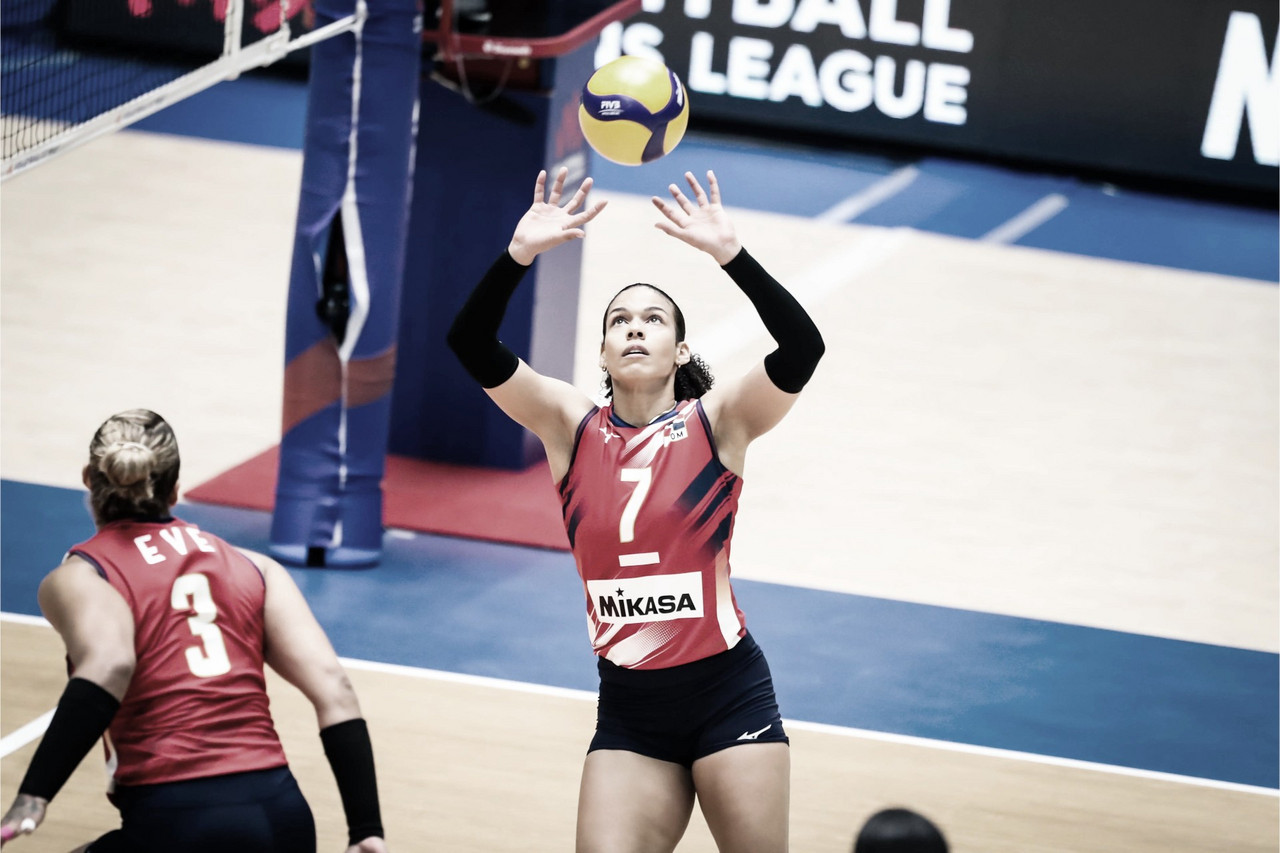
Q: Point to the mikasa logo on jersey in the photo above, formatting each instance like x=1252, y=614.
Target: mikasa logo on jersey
x=658, y=598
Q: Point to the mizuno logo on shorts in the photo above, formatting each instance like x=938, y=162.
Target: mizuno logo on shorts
x=754, y=735
x=657, y=598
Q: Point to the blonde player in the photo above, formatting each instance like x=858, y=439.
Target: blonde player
x=167, y=629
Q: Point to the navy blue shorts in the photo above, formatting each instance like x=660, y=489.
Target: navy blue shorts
x=261, y=811
x=684, y=713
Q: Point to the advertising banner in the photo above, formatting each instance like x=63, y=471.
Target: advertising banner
x=1184, y=89
x=1179, y=89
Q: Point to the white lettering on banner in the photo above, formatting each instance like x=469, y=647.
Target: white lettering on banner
x=887, y=98
x=639, y=39
x=934, y=30
x=697, y=9
x=945, y=93
x=847, y=79
x=748, y=68
x=656, y=598
x=701, y=77
x=844, y=13
x=886, y=28
x=796, y=77
x=642, y=40
x=762, y=13
x=1246, y=82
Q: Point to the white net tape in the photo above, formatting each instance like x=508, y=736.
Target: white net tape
x=54, y=98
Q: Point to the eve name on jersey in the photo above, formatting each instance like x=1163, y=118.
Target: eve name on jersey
x=172, y=536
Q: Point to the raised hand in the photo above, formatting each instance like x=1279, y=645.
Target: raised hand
x=703, y=225
x=26, y=813
x=547, y=223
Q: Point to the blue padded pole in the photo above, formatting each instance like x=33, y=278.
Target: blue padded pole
x=344, y=286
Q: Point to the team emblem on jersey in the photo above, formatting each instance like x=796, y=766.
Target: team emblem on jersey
x=676, y=430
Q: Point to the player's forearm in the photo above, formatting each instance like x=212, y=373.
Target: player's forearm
x=84, y=712
x=350, y=755
x=800, y=345
x=473, y=337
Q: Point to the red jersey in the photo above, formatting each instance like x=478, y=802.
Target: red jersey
x=197, y=705
x=649, y=512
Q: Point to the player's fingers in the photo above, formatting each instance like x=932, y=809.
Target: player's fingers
x=558, y=187
x=6, y=834
x=586, y=216
x=697, y=189
x=540, y=187
x=685, y=204
x=713, y=187
x=667, y=228
x=579, y=197
x=666, y=209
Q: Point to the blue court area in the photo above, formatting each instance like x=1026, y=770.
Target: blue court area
x=936, y=194
x=846, y=660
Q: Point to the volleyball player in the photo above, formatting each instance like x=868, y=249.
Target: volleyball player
x=167, y=628
x=649, y=484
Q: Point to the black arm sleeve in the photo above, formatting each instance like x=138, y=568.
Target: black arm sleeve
x=350, y=755
x=473, y=337
x=800, y=345
x=83, y=714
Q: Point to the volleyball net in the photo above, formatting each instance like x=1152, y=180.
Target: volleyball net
x=59, y=90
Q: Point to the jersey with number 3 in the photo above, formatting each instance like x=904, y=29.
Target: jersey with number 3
x=649, y=512
x=197, y=704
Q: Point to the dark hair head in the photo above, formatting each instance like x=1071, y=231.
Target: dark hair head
x=693, y=378
x=133, y=466
x=899, y=831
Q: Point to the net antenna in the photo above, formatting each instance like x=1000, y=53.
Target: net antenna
x=47, y=109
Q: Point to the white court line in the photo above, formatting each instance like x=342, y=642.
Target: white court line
x=1031, y=757
x=824, y=728
x=24, y=619
x=882, y=190
x=1028, y=220
x=868, y=249
x=31, y=731
x=20, y=737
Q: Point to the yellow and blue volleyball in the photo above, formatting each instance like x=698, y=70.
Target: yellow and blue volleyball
x=634, y=110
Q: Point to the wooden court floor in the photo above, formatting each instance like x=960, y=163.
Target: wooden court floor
x=993, y=428
x=478, y=767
